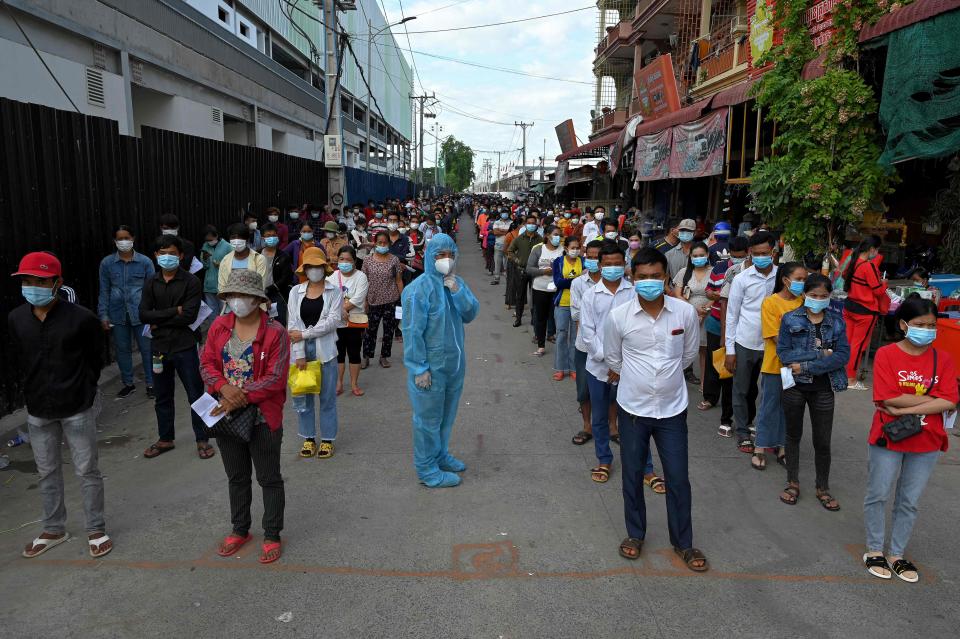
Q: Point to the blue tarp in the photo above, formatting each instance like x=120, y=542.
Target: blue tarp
x=365, y=185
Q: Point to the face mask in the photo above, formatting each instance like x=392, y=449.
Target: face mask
x=37, y=295
x=649, y=289
x=598, y=216
x=634, y=246
x=531, y=228
x=796, y=287
x=403, y=229
x=306, y=237
x=591, y=265
x=566, y=216
x=612, y=273
x=169, y=262
x=921, y=336
x=241, y=306
x=699, y=261
x=392, y=227
x=238, y=245
x=273, y=218
x=316, y=274
x=612, y=235
x=271, y=241
x=444, y=265
x=738, y=260
x=124, y=245
x=330, y=235
x=555, y=240
x=817, y=306
x=294, y=215
x=252, y=226
x=213, y=243
x=762, y=261
x=315, y=216
x=378, y=215
x=574, y=252
x=383, y=250
x=685, y=236
x=345, y=267
x=169, y=231
x=504, y=216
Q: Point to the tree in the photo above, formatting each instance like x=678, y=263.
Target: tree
x=458, y=163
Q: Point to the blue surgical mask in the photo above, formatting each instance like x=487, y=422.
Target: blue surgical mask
x=37, y=295
x=345, y=267
x=738, y=260
x=271, y=241
x=612, y=273
x=685, y=236
x=531, y=228
x=555, y=240
x=762, y=261
x=383, y=250
x=504, y=216
x=306, y=237
x=649, y=289
x=817, y=306
x=921, y=336
x=566, y=215
x=591, y=265
x=796, y=287
x=378, y=215
x=699, y=261
x=168, y=262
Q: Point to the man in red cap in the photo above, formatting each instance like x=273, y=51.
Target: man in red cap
x=59, y=350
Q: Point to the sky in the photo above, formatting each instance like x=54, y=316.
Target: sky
x=558, y=46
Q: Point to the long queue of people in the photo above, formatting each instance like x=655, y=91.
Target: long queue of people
x=637, y=318
x=232, y=319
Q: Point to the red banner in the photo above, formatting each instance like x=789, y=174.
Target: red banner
x=656, y=88
x=652, y=156
x=698, y=147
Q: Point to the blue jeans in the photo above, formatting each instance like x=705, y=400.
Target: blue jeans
x=602, y=395
x=911, y=470
x=670, y=435
x=185, y=365
x=122, y=336
x=327, y=398
x=771, y=427
x=566, y=334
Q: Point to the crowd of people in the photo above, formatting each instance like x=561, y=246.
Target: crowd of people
x=635, y=317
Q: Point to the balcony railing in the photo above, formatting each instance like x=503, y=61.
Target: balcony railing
x=608, y=120
x=617, y=35
x=727, y=51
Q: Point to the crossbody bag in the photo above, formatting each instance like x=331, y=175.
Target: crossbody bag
x=906, y=426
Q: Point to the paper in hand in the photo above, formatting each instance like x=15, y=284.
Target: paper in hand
x=195, y=265
x=204, y=406
x=786, y=378
x=203, y=314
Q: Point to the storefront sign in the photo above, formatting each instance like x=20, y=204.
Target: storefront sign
x=333, y=150
x=652, y=156
x=819, y=20
x=561, y=177
x=761, y=29
x=656, y=88
x=566, y=136
x=698, y=147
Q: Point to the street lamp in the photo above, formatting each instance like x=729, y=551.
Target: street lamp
x=370, y=36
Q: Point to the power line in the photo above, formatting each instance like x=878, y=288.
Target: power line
x=413, y=58
x=446, y=6
x=483, y=108
x=498, y=24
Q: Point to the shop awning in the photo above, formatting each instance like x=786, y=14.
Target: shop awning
x=684, y=115
x=592, y=149
x=911, y=14
x=736, y=94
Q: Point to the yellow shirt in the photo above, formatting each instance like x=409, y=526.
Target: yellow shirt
x=570, y=271
x=771, y=312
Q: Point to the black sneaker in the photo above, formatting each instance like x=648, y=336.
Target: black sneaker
x=150, y=392
x=126, y=392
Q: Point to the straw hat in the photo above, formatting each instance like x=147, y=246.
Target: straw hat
x=244, y=282
x=314, y=256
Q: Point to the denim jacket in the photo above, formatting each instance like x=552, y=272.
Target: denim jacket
x=797, y=344
x=121, y=284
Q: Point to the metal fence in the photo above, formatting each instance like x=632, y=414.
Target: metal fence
x=67, y=180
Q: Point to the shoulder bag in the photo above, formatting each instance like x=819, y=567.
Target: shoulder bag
x=237, y=424
x=906, y=426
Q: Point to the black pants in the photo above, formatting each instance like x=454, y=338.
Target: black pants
x=349, y=341
x=488, y=255
x=716, y=390
x=263, y=454
x=185, y=365
x=821, y=421
x=387, y=313
x=522, y=287
x=542, y=312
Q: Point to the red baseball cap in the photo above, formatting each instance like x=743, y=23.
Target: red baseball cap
x=39, y=264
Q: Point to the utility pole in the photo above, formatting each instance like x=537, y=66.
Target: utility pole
x=436, y=145
x=336, y=185
x=523, y=167
x=543, y=158
x=498, y=166
x=421, y=99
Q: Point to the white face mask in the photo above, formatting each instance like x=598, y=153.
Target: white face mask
x=316, y=274
x=444, y=265
x=168, y=231
x=252, y=226
x=574, y=252
x=241, y=306
x=392, y=227
x=273, y=218
x=612, y=235
x=124, y=245
x=238, y=245
x=330, y=235
x=598, y=216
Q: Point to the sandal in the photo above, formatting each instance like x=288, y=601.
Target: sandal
x=690, y=555
x=656, y=484
x=582, y=438
x=44, y=545
x=630, y=548
x=156, y=450
x=876, y=563
x=758, y=461
x=825, y=499
x=725, y=430
x=901, y=566
x=205, y=450
x=339, y=391
x=782, y=460
x=704, y=405
x=539, y=352
x=231, y=544
x=357, y=392
x=95, y=546
x=271, y=552
x=792, y=492
x=326, y=450
x=558, y=377
x=600, y=474
x=745, y=446
x=365, y=363
x=309, y=449
x=385, y=363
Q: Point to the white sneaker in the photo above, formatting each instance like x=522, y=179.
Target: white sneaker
x=859, y=386
x=725, y=430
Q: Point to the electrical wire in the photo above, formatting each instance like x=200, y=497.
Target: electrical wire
x=498, y=24
x=483, y=108
x=446, y=6
x=413, y=58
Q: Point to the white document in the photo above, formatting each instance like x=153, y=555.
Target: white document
x=786, y=378
x=195, y=265
x=146, y=330
x=949, y=418
x=398, y=313
x=203, y=407
x=203, y=314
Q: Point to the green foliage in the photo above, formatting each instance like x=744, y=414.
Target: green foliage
x=849, y=17
x=824, y=172
x=458, y=163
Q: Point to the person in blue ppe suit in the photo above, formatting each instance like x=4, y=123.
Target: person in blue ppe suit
x=435, y=308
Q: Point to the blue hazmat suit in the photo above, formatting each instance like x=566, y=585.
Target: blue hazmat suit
x=432, y=324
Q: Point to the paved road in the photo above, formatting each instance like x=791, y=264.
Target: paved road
x=526, y=547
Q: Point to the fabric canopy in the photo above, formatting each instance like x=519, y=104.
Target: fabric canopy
x=684, y=115
x=591, y=149
x=911, y=14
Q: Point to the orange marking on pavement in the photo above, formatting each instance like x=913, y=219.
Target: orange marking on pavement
x=857, y=551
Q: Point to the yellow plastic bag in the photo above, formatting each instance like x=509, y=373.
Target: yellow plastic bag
x=719, y=356
x=307, y=381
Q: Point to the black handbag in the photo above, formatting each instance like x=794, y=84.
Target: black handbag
x=906, y=426
x=237, y=424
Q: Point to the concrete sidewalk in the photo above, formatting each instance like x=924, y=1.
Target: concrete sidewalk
x=526, y=547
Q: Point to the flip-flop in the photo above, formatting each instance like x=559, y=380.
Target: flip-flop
x=582, y=438
x=267, y=548
x=704, y=405
x=231, y=544
x=205, y=450
x=656, y=484
x=357, y=392
x=96, y=543
x=45, y=545
x=156, y=451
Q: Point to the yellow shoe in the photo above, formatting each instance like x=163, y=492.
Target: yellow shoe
x=309, y=449
x=326, y=450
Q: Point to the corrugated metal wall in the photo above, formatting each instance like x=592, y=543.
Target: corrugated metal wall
x=367, y=185
x=67, y=180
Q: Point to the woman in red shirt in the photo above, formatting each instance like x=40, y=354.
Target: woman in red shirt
x=866, y=301
x=910, y=378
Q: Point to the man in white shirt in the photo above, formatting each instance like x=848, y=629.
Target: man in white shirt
x=743, y=338
x=677, y=257
x=591, y=227
x=588, y=279
x=611, y=291
x=647, y=343
x=500, y=229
